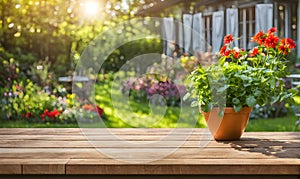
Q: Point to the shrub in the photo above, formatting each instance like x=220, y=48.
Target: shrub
x=31, y=103
x=142, y=89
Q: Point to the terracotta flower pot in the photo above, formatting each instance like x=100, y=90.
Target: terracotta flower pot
x=229, y=127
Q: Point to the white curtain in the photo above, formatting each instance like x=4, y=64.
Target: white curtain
x=232, y=23
x=263, y=17
x=179, y=35
x=168, y=31
x=187, y=28
x=217, y=30
x=198, y=43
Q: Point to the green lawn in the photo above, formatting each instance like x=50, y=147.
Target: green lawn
x=21, y=124
x=277, y=124
x=122, y=112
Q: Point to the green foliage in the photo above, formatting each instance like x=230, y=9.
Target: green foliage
x=58, y=31
x=31, y=104
x=25, y=100
x=242, y=79
x=130, y=50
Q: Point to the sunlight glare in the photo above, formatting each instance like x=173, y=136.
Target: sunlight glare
x=91, y=8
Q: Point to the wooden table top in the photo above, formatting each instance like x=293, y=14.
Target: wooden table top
x=145, y=151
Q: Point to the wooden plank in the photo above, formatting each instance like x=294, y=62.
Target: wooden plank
x=34, y=166
x=45, y=169
x=131, y=137
x=57, y=151
x=275, y=144
x=63, y=131
x=125, y=131
x=10, y=169
x=167, y=161
x=145, y=137
x=135, y=169
x=34, y=131
x=131, y=153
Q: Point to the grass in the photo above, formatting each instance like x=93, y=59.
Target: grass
x=281, y=124
x=22, y=124
x=123, y=112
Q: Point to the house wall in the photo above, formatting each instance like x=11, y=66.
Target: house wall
x=286, y=24
x=284, y=15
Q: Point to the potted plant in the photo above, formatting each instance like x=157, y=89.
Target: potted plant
x=226, y=91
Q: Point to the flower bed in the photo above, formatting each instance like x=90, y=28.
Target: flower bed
x=144, y=88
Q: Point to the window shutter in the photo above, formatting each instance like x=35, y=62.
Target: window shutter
x=197, y=32
x=179, y=35
x=232, y=23
x=217, y=30
x=187, y=28
x=168, y=34
x=263, y=17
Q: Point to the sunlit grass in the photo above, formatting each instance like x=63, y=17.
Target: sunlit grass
x=22, y=124
x=286, y=123
x=125, y=112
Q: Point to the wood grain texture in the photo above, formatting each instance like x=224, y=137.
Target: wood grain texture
x=11, y=169
x=146, y=152
x=43, y=169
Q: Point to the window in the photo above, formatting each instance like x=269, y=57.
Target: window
x=207, y=31
x=246, y=27
x=286, y=19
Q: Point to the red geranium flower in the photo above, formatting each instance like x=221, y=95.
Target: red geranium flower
x=228, y=39
x=283, y=49
x=258, y=38
x=271, y=41
x=272, y=30
x=288, y=43
x=236, y=54
x=254, y=52
x=227, y=53
x=222, y=50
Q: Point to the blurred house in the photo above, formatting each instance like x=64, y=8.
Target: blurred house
x=205, y=22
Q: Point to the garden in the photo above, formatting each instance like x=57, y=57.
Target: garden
x=130, y=90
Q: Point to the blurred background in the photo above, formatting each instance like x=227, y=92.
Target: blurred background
x=42, y=42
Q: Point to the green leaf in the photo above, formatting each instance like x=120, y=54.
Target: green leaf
x=244, y=77
x=275, y=99
x=272, y=83
x=221, y=113
x=222, y=89
x=194, y=104
x=237, y=108
x=257, y=93
x=186, y=96
x=250, y=101
x=235, y=101
x=288, y=95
